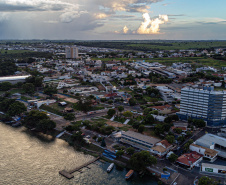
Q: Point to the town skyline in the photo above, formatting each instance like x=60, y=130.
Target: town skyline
x=113, y=20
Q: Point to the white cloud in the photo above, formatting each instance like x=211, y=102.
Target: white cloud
x=125, y=29
x=151, y=26
x=69, y=16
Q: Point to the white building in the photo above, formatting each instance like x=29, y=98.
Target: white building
x=206, y=152
x=203, y=104
x=71, y=52
x=213, y=142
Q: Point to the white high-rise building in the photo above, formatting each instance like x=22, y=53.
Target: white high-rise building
x=71, y=52
x=205, y=104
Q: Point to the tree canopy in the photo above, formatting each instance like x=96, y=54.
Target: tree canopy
x=29, y=88
x=38, y=120
x=69, y=116
x=16, y=108
x=111, y=112
x=141, y=160
x=83, y=105
x=207, y=181
x=148, y=120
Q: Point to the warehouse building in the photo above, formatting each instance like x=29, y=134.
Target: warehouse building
x=138, y=140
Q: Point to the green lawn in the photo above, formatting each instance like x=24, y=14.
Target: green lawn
x=96, y=108
x=118, y=119
x=25, y=98
x=51, y=109
x=13, y=91
x=99, y=119
x=198, y=61
x=2, y=51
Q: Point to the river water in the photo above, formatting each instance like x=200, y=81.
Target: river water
x=26, y=158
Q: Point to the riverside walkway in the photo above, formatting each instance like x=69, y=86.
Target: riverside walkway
x=68, y=174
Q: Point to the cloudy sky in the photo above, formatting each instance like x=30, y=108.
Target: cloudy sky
x=112, y=19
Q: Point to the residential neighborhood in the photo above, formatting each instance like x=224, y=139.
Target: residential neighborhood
x=121, y=101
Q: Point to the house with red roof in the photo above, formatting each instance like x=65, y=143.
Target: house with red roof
x=161, y=148
x=189, y=160
x=163, y=109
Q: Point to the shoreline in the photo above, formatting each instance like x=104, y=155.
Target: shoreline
x=82, y=149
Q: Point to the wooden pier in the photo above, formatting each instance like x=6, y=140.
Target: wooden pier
x=68, y=174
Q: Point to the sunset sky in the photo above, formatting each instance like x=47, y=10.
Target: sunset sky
x=113, y=19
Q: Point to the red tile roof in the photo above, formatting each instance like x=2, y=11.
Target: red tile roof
x=162, y=107
x=189, y=158
x=165, y=143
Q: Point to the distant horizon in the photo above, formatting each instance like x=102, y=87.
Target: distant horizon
x=113, y=19
x=108, y=40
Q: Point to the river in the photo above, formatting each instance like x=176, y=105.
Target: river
x=26, y=158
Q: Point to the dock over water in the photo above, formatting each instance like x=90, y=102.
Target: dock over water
x=68, y=174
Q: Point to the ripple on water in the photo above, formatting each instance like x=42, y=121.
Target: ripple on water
x=36, y=160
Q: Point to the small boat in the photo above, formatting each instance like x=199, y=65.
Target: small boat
x=129, y=174
x=110, y=167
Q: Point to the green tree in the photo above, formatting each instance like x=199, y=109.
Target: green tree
x=178, y=130
x=168, y=119
x=148, y=120
x=132, y=101
x=136, y=124
x=33, y=118
x=16, y=108
x=111, y=112
x=69, y=116
x=119, y=153
x=199, y=123
x=29, y=88
x=206, y=181
x=5, y=103
x=50, y=90
x=141, y=160
x=5, y=86
x=170, y=138
x=83, y=105
x=103, y=143
x=78, y=139
x=141, y=128
x=186, y=146
x=130, y=150
x=120, y=109
x=173, y=158
x=127, y=114
x=46, y=125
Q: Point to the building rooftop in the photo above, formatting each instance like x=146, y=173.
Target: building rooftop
x=142, y=137
x=159, y=148
x=189, y=158
x=210, y=139
x=208, y=151
x=9, y=78
x=214, y=166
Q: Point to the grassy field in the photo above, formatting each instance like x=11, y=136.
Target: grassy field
x=179, y=45
x=2, y=51
x=201, y=61
x=21, y=91
x=147, y=45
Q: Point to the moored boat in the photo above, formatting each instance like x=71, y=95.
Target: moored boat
x=129, y=174
x=110, y=167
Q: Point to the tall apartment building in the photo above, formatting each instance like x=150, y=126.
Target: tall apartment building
x=205, y=104
x=71, y=52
